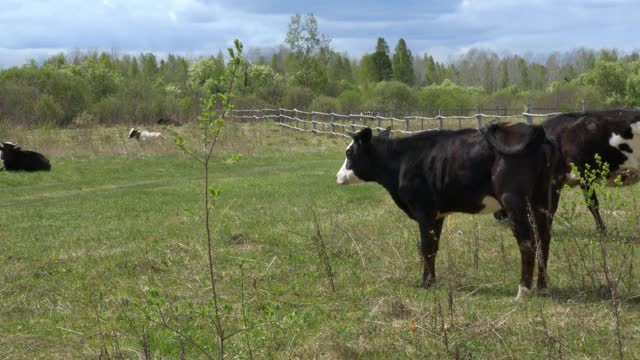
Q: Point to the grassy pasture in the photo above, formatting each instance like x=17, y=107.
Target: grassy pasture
x=83, y=245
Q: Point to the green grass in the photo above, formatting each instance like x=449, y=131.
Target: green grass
x=82, y=246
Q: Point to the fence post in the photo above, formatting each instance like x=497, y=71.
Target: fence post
x=422, y=121
x=584, y=105
x=353, y=124
x=440, y=122
x=280, y=115
x=478, y=117
x=333, y=126
x=314, y=121
x=528, y=118
x=406, y=120
x=379, y=121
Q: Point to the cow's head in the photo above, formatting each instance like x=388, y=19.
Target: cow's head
x=357, y=164
x=7, y=149
x=134, y=134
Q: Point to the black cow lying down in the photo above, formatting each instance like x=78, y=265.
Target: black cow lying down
x=163, y=121
x=434, y=173
x=15, y=159
x=612, y=134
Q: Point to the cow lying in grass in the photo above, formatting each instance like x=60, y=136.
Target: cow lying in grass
x=432, y=174
x=144, y=135
x=16, y=159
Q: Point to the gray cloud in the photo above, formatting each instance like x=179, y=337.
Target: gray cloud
x=36, y=29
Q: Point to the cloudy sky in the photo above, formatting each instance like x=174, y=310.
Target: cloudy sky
x=443, y=28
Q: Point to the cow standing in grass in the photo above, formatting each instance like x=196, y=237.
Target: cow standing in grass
x=432, y=174
x=614, y=135
x=16, y=159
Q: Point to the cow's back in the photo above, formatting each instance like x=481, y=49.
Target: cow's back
x=29, y=161
x=583, y=135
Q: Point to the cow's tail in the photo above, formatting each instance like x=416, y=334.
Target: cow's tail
x=552, y=172
x=532, y=136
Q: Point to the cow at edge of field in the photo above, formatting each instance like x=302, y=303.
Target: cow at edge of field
x=171, y=122
x=16, y=159
x=432, y=174
x=144, y=135
x=612, y=134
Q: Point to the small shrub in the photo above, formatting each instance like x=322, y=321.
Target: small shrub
x=84, y=120
x=48, y=111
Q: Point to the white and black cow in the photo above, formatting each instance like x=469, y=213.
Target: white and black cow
x=432, y=174
x=16, y=159
x=612, y=134
x=144, y=135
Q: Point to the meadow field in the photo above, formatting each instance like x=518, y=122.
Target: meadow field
x=106, y=257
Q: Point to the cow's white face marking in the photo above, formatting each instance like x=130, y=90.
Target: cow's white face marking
x=633, y=158
x=347, y=176
x=522, y=292
x=491, y=205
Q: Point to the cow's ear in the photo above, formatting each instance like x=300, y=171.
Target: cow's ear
x=365, y=135
x=386, y=132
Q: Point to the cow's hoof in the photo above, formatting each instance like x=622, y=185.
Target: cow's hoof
x=523, y=293
x=544, y=291
x=428, y=283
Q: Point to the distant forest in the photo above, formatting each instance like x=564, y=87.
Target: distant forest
x=100, y=88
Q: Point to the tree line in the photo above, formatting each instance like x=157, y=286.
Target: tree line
x=89, y=88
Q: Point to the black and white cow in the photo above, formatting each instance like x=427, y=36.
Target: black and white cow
x=612, y=134
x=432, y=174
x=16, y=159
x=144, y=135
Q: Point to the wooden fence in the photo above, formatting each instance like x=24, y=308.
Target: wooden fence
x=338, y=124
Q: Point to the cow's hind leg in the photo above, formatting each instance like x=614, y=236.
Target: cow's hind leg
x=594, y=207
x=430, y=230
x=544, y=214
x=543, y=238
x=516, y=209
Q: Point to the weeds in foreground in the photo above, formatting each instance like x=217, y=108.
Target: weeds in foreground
x=211, y=124
x=592, y=180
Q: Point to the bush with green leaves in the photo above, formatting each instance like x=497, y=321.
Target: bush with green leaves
x=349, y=101
x=325, y=104
x=48, y=111
x=297, y=97
x=392, y=96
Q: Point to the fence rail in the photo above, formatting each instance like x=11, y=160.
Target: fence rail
x=338, y=124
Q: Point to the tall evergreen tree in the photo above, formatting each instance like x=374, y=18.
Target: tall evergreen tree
x=431, y=75
x=504, y=74
x=383, y=67
x=403, y=64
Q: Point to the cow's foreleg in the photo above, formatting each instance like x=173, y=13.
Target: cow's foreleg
x=594, y=207
x=430, y=230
